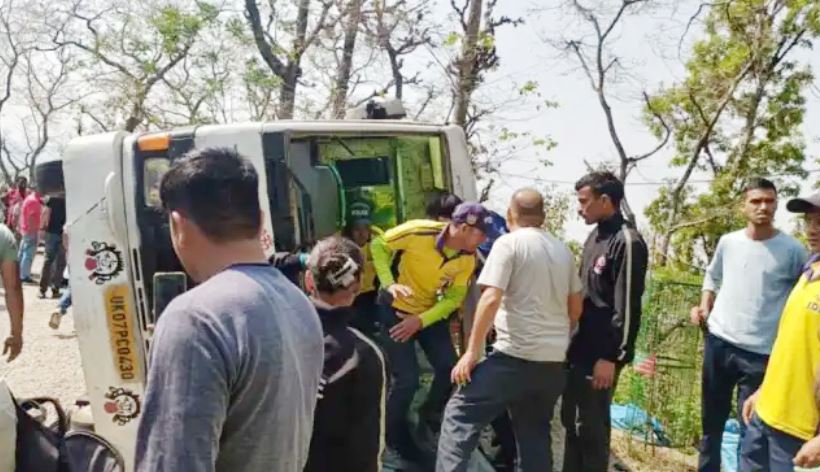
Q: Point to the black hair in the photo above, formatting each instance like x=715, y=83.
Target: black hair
x=603, y=183
x=330, y=263
x=759, y=183
x=218, y=190
x=442, y=204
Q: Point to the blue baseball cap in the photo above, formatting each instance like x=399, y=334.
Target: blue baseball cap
x=474, y=214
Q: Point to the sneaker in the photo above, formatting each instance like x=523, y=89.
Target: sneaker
x=54, y=321
x=28, y=280
x=41, y=295
x=55, y=293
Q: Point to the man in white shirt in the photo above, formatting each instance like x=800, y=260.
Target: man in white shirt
x=530, y=281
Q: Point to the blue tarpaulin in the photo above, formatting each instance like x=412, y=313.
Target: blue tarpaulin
x=729, y=446
x=633, y=419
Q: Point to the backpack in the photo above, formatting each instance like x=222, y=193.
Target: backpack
x=55, y=449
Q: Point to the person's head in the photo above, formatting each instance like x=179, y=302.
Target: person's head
x=334, y=271
x=526, y=209
x=211, y=196
x=599, y=196
x=759, y=201
x=810, y=208
x=441, y=205
x=21, y=184
x=470, y=226
x=359, y=219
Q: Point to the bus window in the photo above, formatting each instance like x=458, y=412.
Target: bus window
x=154, y=169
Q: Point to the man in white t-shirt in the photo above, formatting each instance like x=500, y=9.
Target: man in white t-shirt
x=532, y=291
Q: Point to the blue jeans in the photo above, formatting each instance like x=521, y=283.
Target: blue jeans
x=527, y=389
x=767, y=449
x=404, y=377
x=65, y=301
x=725, y=367
x=28, y=247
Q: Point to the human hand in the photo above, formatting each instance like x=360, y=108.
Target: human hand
x=603, y=374
x=461, y=373
x=400, y=291
x=749, y=407
x=809, y=455
x=697, y=315
x=12, y=347
x=403, y=331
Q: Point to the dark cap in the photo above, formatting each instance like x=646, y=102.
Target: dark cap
x=804, y=204
x=359, y=213
x=474, y=214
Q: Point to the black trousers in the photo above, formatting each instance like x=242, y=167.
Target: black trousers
x=585, y=415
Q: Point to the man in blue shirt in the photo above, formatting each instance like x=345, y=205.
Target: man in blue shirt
x=744, y=290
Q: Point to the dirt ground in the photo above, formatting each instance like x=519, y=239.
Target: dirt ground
x=49, y=364
x=639, y=457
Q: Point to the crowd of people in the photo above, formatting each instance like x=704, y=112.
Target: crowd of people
x=558, y=332
x=31, y=220
x=328, y=378
x=309, y=361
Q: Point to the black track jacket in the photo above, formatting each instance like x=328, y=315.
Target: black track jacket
x=613, y=268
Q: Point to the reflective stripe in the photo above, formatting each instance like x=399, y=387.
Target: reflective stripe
x=628, y=314
x=383, y=402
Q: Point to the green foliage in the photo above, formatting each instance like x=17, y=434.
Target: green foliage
x=743, y=76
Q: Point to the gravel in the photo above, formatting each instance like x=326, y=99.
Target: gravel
x=49, y=364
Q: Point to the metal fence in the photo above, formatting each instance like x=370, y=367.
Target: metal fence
x=668, y=352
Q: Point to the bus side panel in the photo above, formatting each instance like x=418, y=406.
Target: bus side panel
x=247, y=140
x=104, y=309
x=461, y=168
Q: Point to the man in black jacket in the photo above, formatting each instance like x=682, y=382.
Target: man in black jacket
x=347, y=426
x=613, y=267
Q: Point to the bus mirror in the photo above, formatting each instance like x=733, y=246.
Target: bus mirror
x=167, y=285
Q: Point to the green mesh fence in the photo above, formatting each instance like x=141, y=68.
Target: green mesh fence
x=672, y=394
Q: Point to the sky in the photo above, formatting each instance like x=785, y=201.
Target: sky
x=648, y=44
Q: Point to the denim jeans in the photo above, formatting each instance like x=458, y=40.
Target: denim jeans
x=25, y=256
x=527, y=389
x=437, y=345
x=724, y=368
x=765, y=449
x=65, y=301
x=54, y=263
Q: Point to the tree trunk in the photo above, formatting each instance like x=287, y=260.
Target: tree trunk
x=466, y=64
x=287, y=92
x=343, y=77
x=395, y=69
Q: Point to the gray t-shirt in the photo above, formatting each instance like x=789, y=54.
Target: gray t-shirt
x=234, y=373
x=752, y=279
x=8, y=245
x=537, y=273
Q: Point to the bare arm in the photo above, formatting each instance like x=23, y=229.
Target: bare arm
x=46, y=216
x=14, y=304
x=707, y=301
x=484, y=315
x=575, y=305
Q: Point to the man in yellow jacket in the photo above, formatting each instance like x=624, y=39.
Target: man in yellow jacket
x=434, y=262
x=360, y=230
x=783, y=416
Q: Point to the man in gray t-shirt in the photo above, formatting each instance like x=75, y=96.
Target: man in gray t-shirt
x=532, y=291
x=235, y=363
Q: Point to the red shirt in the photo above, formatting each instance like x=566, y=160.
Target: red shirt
x=30, y=214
